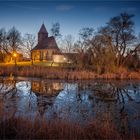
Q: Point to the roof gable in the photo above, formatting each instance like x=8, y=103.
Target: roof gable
x=49, y=44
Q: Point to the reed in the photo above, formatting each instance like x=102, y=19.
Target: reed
x=65, y=73
x=26, y=128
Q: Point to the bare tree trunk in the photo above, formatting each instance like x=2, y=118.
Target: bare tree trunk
x=31, y=59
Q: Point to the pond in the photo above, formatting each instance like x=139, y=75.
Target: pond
x=76, y=101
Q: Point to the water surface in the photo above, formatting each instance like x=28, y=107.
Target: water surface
x=79, y=101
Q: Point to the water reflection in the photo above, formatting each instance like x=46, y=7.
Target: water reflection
x=76, y=101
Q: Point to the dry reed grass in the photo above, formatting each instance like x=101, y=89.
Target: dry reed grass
x=64, y=73
x=21, y=128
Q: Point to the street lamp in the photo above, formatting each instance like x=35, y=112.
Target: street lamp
x=64, y=59
x=15, y=56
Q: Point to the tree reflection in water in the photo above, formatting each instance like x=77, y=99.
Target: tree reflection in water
x=115, y=98
x=116, y=101
x=8, y=92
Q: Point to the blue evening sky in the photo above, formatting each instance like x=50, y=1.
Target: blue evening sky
x=27, y=16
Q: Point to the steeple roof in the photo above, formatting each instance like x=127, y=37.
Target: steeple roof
x=45, y=42
x=43, y=29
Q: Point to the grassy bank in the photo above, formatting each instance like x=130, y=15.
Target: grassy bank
x=65, y=73
x=21, y=128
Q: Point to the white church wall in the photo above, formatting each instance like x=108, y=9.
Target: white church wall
x=59, y=58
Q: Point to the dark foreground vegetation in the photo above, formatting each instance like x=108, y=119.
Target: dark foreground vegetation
x=21, y=128
x=65, y=73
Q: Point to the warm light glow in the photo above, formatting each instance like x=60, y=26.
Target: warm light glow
x=15, y=55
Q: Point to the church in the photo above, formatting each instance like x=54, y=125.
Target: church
x=46, y=47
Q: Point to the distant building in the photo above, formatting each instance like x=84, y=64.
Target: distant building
x=46, y=46
x=47, y=49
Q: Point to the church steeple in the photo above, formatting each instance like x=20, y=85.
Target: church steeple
x=43, y=29
x=42, y=34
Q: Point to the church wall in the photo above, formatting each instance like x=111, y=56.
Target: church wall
x=36, y=55
x=43, y=55
x=59, y=58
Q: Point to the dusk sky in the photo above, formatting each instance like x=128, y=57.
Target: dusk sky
x=27, y=16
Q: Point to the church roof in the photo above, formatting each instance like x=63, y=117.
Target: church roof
x=47, y=42
x=50, y=43
x=43, y=29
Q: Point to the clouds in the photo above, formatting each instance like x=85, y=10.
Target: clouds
x=129, y=9
x=102, y=8
x=25, y=7
x=64, y=7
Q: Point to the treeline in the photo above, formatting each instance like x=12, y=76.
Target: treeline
x=11, y=41
x=112, y=47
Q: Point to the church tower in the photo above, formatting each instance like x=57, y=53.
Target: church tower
x=46, y=46
x=42, y=34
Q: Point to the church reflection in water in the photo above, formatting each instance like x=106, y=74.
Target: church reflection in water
x=46, y=88
x=77, y=101
x=46, y=93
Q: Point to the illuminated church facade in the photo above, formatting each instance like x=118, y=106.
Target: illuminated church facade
x=46, y=46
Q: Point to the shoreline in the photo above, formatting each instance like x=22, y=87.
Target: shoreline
x=59, y=73
x=23, y=78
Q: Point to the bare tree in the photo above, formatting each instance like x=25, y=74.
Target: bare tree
x=68, y=44
x=55, y=30
x=132, y=58
x=86, y=33
x=9, y=42
x=103, y=53
x=3, y=41
x=2, y=44
x=14, y=39
x=80, y=49
x=29, y=42
x=121, y=29
x=82, y=45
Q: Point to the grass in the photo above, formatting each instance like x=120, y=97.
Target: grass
x=37, y=63
x=62, y=71
x=26, y=128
